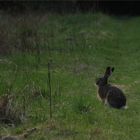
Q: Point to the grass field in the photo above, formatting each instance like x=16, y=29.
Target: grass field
x=80, y=47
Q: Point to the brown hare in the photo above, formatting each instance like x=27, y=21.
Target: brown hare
x=109, y=94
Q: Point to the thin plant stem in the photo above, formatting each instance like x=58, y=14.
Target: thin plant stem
x=50, y=90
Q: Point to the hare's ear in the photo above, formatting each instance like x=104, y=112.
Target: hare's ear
x=112, y=69
x=108, y=71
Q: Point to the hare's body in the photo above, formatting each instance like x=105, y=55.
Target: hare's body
x=113, y=96
x=110, y=95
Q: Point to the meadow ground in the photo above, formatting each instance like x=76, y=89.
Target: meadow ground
x=80, y=47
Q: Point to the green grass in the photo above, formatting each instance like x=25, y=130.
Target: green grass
x=82, y=46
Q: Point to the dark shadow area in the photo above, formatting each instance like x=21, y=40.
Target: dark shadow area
x=114, y=7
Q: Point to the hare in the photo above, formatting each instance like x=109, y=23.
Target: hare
x=109, y=94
